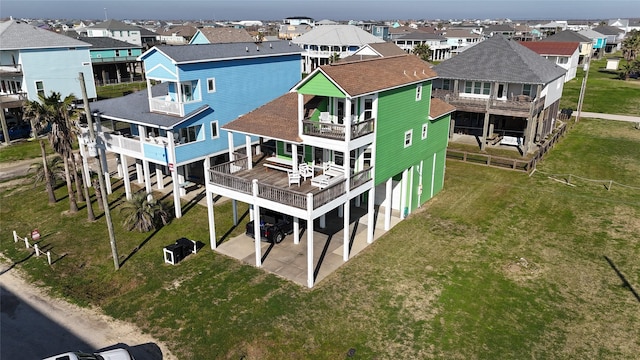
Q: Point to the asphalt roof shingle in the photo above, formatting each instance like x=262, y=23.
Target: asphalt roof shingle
x=16, y=35
x=212, y=52
x=502, y=60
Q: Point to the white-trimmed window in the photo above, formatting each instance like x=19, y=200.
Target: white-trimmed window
x=563, y=60
x=214, y=130
x=408, y=137
x=526, y=89
x=211, y=85
x=40, y=88
x=189, y=134
x=425, y=129
x=446, y=84
x=477, y=87
x=418, y=92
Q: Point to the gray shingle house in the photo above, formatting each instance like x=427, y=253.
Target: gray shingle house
x=503, y=92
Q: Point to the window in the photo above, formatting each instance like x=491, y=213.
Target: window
x=526, y=89
x=419, y=92
x=446, y=84
x=187, y=92
x=476, y=87
x=407, y=138
x=563, y=60
x=40, y=88
x=368, y=109
x=189, y=134
x=211, y=85
x=425, y=128
x=214, y=130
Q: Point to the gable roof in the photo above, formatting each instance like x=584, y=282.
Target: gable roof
x=337, y=35
x=354, y=78
x=591, y=34
x=499, y=59
x=17, y=35
x=608, y=30
x=212, y=52
x=460, y=33
x=567, y=36
x=226, y=35
x=552, y=47
x=420, y=35
x=439, y=108
x=372, y=51
x=186, y=31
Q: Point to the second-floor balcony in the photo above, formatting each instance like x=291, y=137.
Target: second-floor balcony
x=162, y=104
x=517, y=105
x=334, y=131
x=126, y=144
x=274, y=184
x=8, y=101
x=14, y=69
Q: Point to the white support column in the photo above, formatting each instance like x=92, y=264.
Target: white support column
x=119, y=165
x=180, y=170
x=251, y=212
x=403, y=193
x=323, y=221
x=231, y=146
x=341, y=211
x=310, y=276
x=234, y=206
x=85, y=165
x=176, y=192
x=296, y=230
x=346, y=231
x=210, y=211
x=257, y=234
x=247, y=147
x=147, y=176
x=159, y=177
x=125, y=178
x=387, y=204
x=371, y=216
x=294, y=157
x=139, y=172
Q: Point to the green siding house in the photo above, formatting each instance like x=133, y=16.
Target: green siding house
x=357, y=137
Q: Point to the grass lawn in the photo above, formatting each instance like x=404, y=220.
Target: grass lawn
x=499, y=265
x=605, y=93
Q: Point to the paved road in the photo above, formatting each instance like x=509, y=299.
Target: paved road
x=34, y=325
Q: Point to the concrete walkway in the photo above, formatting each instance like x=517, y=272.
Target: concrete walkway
x=607, y=116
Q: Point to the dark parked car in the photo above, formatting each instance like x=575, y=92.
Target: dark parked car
x=19, y=131
x=274, y=226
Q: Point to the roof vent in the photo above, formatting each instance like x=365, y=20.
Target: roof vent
x=257, y=48
x=270, y=46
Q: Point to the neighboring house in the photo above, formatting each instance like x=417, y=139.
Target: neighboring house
x=563, y=54
x=439, y=49
x=290, y=32
x=502, y=91
x=354, y=136
x=505, y=30
x=325, y=44
x=176, y=35
x=113, y=60
x=614, y=38
x=173, y=126
x=299, y=20
x=117, y=30
x=598, y=40
x=34, y=61
x=586, y=45
x=460, y=38
x=381, y=31
x=221, y=35
x=626, y=25
x=552, y=27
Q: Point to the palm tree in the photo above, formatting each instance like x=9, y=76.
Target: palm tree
x=631, y=45
x=53, y=109
x=143, y=213
x=422, y=50
x=52, y=172
x=37, y=115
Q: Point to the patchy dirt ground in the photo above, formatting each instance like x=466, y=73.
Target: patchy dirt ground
x=50, y=326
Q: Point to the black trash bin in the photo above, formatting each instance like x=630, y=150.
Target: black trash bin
x=189, y=246
x=173, y=253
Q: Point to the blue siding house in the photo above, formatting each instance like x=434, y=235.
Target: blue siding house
x=177, y=123
x=36, y=61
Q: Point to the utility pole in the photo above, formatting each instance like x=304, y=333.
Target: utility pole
x=103, y=191
x=584, y=85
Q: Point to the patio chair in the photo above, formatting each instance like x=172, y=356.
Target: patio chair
x=294, y=178
x=305, y=170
